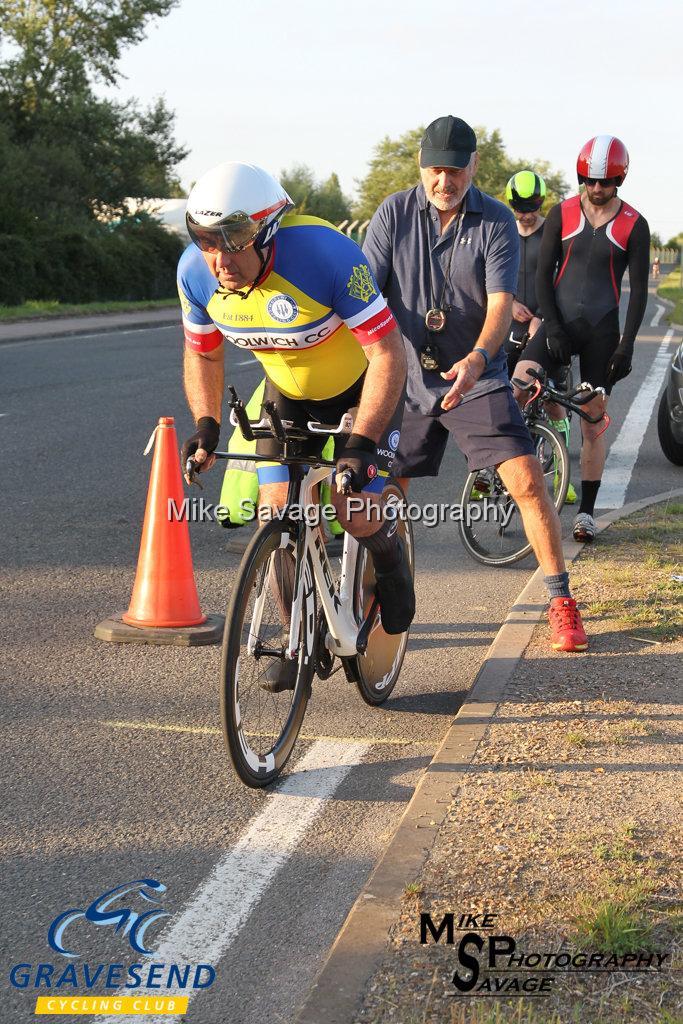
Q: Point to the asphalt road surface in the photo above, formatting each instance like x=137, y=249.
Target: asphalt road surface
x=113, y=764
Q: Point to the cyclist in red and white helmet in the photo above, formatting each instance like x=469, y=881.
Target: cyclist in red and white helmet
x=588, y=242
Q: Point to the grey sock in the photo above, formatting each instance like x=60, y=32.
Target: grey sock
x=558, y=586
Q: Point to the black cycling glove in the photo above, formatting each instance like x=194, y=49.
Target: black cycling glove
x=619, y=365
x=559, y=344
x=359, y=459
x=206, y=437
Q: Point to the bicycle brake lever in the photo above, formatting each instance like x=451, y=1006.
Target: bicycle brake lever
x=191, y=471
x=344, y=482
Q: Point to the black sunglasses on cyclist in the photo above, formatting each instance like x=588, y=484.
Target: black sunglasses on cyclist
x=604, y=182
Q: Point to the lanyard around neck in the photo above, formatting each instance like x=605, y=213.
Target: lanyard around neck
x=456, y=230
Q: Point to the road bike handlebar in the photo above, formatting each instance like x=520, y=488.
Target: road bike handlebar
x=272, y=425
x=545, y=392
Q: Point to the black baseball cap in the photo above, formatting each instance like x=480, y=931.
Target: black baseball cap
x=447, y=142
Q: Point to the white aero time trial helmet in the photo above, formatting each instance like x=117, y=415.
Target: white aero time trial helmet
x=234, y=205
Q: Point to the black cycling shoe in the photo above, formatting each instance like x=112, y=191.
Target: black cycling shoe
x=280, y=675
x=396, y=596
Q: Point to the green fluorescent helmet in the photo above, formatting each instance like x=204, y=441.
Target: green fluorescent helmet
x=525, y=191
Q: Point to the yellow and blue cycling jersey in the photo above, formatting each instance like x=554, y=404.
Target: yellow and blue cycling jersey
x=307, y=322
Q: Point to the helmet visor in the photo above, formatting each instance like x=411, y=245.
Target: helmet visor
x=232, y=234
x=530, y=205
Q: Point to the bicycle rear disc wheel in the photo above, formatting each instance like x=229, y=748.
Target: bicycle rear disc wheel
x=376, y=672
x=260, y=727
x=491, y=526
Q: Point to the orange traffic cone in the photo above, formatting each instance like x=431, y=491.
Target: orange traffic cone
x=164, y=606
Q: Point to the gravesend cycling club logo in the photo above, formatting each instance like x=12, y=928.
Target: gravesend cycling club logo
x=100, y=913
x=360, y=284
x=131, y=913
x=283, y=308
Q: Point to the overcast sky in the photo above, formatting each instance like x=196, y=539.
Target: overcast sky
x=320, y=83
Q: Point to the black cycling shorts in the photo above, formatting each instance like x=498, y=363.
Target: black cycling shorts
x=329, y=411
x=594, y=345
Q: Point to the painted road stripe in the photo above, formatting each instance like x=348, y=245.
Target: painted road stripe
x=226, y=898
x=657, y=317
x=623, y=454
x=208, y=730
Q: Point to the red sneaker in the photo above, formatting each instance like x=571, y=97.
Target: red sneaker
x=566, y=626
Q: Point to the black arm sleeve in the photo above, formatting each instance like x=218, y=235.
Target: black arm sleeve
x=639, y=275
x=549, y=256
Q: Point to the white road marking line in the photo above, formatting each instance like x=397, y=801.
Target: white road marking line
x=208, y=730
x=624, y=452
x=658, y=316
x=223, y=902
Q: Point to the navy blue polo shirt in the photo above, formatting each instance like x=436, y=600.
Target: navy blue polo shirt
x=483, y=248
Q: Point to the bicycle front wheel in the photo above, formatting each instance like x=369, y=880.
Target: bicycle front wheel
x=491, y=526
x=261, y=716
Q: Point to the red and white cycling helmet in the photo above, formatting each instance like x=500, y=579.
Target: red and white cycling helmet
x=604, y=157
x=234, y=205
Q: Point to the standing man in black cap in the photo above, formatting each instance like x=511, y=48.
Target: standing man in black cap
x=446, y=257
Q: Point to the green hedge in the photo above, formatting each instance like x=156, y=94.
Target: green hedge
x=131, y=261
x=17, y=270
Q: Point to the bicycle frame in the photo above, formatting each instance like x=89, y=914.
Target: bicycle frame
x=338, y=606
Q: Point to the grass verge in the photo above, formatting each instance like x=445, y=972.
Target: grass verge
x=670, y=289
x=34, y=310
x=566, y=825
x=636, y=586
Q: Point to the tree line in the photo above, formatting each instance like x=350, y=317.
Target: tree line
x=70, y=159
x=394, y=166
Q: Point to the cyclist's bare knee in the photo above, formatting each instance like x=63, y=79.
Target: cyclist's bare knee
x=522, y=373
x=523, y=478
x=596, y=407
x=272, y=496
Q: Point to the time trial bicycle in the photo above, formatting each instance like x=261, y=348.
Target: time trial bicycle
x=289, y=606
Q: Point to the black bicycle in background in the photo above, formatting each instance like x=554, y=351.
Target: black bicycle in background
x=491, y=526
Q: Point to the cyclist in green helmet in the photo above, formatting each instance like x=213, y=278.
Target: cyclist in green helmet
x=526, y=192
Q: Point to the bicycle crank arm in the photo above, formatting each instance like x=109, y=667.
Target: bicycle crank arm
x=367, y=627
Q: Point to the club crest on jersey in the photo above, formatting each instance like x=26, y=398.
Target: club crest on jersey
x=393, y=439
x=283, y=308
x=360, y=284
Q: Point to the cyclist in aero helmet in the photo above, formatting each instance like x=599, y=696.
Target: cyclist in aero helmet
x=213, y=221
x=300, y=295
x=588, y=242
x=525, y=192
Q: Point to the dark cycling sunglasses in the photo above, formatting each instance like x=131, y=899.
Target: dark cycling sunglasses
x=604, y=182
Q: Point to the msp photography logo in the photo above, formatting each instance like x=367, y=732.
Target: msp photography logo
x=495, y=964
x=129, y=915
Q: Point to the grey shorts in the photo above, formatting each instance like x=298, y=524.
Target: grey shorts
x=488, y=430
